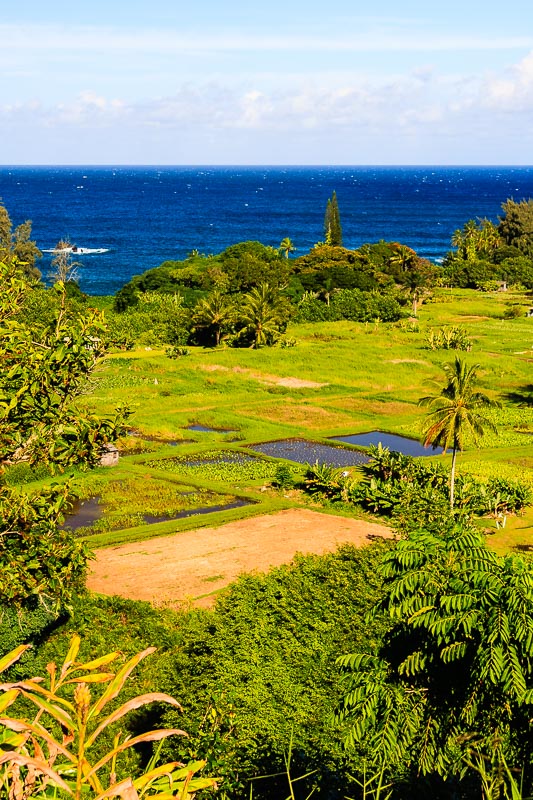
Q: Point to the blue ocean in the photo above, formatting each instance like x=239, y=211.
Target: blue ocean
x=134, y=218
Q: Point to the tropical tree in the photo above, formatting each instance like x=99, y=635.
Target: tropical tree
x=214, y=314
x=17, y=244
x=44, y=374
x=261, y=315
x=451, y=688
x=332, y=222
x=453, y=415
x=286, y=246
x=476, y=239
x=516, y=226
x=403, y=257
x=45, y=368
x=416, y=282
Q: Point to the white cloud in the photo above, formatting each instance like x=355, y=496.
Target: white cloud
x=399, y=103
x=422, y=109
x=512, y=91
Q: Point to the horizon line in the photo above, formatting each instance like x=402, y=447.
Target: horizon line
x=113, y=165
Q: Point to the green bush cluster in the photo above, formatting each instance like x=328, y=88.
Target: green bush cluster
x=351, y=304
x=454, y=338
x=413, y=491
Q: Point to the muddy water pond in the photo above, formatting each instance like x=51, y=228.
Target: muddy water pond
x=400, y=444
x=304, y=451
x=85, y=513
x=207, y=429
x=239, y=502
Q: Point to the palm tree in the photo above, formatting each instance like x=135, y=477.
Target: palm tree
x=261, y=315
x=404, y=257
x=453, y=416
x=214, y=313
x=286, y=246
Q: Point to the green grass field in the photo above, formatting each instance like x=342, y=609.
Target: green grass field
x=340, y=378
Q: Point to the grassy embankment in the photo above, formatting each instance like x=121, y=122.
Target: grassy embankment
x=369, y=376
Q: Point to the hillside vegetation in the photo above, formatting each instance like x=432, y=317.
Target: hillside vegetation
x=396, y=670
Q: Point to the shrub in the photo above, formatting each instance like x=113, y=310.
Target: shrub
x=513, y=311
x=454, y=338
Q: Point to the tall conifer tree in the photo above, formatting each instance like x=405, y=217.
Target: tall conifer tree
x=332, y=222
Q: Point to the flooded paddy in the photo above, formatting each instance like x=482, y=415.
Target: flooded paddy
x=400, y=444
x=305, y=451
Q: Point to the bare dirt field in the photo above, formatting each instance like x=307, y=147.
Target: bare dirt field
x=190, y=567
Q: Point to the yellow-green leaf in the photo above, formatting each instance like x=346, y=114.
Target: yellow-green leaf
x=13, y=656
x=136, y=702
x=99, y=662
x=55, y=711
x=161, y=771
x=98, y=677
x=120, y=678
x=8, y=699
x=149, y=736
x=71, y=655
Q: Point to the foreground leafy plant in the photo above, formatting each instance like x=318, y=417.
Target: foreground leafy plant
x=39, y=761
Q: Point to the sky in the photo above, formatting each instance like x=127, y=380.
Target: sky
x=278, y=82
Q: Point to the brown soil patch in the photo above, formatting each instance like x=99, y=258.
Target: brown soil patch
x=313, y=417
x=366, y=407
x=190, y=566
x=273, y=380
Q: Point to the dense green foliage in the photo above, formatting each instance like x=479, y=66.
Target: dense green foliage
x=350, y=304
x=17, y=245
x=45, y=369
x=246, y=295
x=46, y=365
x=332, y=222
x=39, y=564
x=414, y=491
x=253, y=675
x=452, y=683
x=516, y=225
x=487, y=255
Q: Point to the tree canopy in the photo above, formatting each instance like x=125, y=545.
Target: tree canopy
x=332, y=222
x=452, y=684
x=46, y=365
x=516, y=225
x=17, y=244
